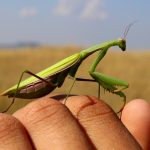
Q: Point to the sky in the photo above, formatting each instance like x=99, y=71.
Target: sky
x=74, y=22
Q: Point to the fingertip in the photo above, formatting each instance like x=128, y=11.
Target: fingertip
x=136, y=117
x=136, y=109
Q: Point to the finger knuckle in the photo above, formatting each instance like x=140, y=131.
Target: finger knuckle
x=43, y=110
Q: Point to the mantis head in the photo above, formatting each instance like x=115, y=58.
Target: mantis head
x=122, y=44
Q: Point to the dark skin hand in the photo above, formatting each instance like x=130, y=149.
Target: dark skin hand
x=85, y=124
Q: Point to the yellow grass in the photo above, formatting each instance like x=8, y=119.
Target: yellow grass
x=132, y=67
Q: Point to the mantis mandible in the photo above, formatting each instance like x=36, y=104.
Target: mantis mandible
x=46, y=81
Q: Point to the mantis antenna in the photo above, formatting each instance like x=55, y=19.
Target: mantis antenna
x=128, y=28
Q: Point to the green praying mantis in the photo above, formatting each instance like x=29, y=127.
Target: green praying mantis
x=46, y=81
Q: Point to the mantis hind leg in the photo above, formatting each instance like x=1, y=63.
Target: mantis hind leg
x=30, y=73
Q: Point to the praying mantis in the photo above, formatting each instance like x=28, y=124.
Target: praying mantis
x=46, y=81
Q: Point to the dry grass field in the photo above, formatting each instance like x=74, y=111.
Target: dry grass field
x=131, y=66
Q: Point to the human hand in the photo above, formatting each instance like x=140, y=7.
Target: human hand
x=86, y=123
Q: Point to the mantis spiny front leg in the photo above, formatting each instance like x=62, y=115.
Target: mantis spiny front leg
x=107, y=82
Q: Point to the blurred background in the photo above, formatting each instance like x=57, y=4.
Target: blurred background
x=36, y=34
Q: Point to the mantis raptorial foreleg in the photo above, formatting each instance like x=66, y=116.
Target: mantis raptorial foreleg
x=109, y=83
x=121, y=94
